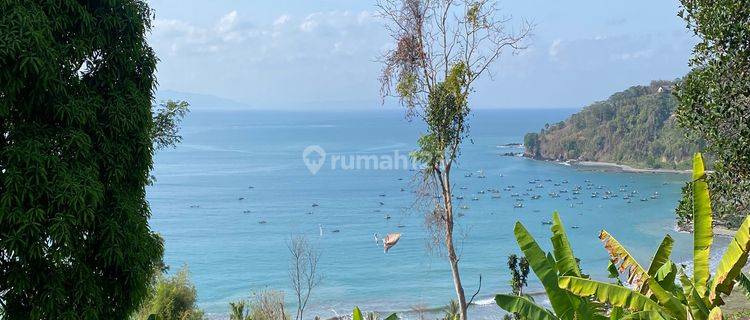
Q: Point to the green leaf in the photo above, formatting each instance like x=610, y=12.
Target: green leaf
x=744, y=282
x=644, y=315
x=610, y=293
x=356, y=314
x=661, y=257
x=523, y=306
x=544, y=270
x=617, y=313
x=393, y=316
x=668, y=301
x=566, y=261
x=703, y=226
x=731, y=263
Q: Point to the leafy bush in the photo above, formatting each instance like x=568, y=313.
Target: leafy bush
x=172, y=298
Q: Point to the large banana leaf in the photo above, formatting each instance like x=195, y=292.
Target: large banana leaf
x=697, y=305
x=625, y=261
x=523, y=306
x=615, y=295
x=545, y=271
x=644, y=315
x=666, y=276
x=730, y=265
x=661, y=257
x=617, y=313
x=703, y=228
x=669, y=302
x=566, y=261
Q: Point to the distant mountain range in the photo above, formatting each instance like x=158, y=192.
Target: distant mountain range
x=634, y=127
x=202, y=101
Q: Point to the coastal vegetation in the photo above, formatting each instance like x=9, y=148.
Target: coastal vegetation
x=76, y=147
x=662, y=291
x=171, y=298
x=714, y=100
x=440, y=49
x=635, y=127
x=79, y=128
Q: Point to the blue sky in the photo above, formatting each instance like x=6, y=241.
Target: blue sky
x=305, y=54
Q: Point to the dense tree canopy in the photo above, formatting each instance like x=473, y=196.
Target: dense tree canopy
x=714, y=98
x=633, y=127
x=76, y=85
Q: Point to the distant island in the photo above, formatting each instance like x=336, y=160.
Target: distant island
x=635, y=127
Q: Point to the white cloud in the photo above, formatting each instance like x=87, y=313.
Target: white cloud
x=554, y=49
x=308, y=25
x=227, y=22
x=281, y=20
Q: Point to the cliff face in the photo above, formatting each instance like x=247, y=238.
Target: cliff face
x=634, y=127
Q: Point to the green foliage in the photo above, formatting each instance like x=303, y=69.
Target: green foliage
x=714, y=99
x=167, y=117
x=519, y=273
x=238, y=311
x=357, y=315
x=549, y=269
x=172, y=298
x=76, y=82
x=684, y=210
x=445, y=115
x=452, y=311
x=699, y=297
x=633, y=127
x=531, y=143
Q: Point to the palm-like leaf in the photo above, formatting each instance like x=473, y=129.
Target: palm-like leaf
x=566, y=261
x=668, y=301
x=644, y=315
x=703, y=226
x=544, y=269
x=625, y=261
x=661, y=257
x=615, y=295
x=356, y=314
x=730, y=265
x=523, y=306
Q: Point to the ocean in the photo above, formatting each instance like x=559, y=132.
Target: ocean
x=228, y=199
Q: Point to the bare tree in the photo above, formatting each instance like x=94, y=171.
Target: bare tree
x=268, y=305
x=441, y=48
x=303, y=271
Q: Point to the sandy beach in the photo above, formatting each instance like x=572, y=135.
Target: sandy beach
x=608, y=166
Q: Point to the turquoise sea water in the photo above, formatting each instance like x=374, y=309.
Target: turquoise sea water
x=197, y=208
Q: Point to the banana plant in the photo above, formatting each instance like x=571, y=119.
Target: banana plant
x=549, y=267
x=654, y=293
x=357, y=315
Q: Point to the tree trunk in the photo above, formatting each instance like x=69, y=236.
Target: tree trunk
x=452, y=256
x=456, y=275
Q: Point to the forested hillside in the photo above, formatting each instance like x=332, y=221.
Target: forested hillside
x=634, y=127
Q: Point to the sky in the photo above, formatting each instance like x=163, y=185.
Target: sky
x=310, y=55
